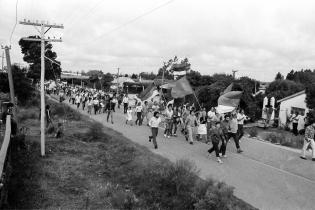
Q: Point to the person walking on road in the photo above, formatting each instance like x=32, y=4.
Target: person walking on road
x=309, y=140
x=154, y=124
x=129, y=115
x=145, y=110
x=216, y=135
x=96, y=105
x=168, y=121
x=139, y=114
x=190, y=123
x=110, y=110
x=89, y=106
x=240, y=123
x=125, y=102
x=78, y=100
x=233, y=127
x=225, y=127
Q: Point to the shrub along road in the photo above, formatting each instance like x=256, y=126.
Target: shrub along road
x=265, y=176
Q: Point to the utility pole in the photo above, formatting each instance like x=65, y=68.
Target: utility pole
x=2, y=57
x=9, y=69
x=234, y=71
x=117, y=81
x=42, y=39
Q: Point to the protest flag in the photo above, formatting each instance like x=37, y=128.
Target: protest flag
x=181, y=88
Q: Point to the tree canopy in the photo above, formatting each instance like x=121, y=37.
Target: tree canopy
x=22, y=84
x=279, y=76
x=32, y=55
x=283, y=88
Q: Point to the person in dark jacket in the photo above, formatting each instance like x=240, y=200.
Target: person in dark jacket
x=216, y=136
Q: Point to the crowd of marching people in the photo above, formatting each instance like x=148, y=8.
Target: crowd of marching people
x=194, y=124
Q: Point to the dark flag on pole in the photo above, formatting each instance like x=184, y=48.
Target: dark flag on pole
x=181, y=88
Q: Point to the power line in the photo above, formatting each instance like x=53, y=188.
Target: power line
x=86, y=14
x=16, y=10
x=133, y=20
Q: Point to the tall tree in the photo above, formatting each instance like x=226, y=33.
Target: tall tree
x=283, y=88
x=107, y=79
x=134, y=76
x=148, y=76
x=310, y=96
x=22, y=84
x=32, y=55
x=279, y=76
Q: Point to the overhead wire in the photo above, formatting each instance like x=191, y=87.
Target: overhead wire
x=85, y=15
x=16, y=14
x=131, y=21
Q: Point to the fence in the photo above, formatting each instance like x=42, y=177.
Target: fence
x=5, y=159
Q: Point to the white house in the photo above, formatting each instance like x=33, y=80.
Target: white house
x=291, y=104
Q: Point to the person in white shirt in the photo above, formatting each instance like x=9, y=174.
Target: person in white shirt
x=241, y=117
x=96, y=105
x=211, y=114
x=168, y=121
x=129, y=116
x=78, y=100
x=295, y=122
x=139, y=113
x=125, y=102
x=114, y=102
x=154, y=124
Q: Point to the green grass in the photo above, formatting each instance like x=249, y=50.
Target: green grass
x=93, y=167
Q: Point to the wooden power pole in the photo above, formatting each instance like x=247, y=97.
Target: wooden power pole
x=42, y=39
x=2, y=57
x=10, y=77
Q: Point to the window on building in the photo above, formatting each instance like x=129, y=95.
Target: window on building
x=299, y=110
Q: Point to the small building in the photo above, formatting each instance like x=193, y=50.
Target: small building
x=291, y=104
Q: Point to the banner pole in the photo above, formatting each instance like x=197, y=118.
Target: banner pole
x=197, y=100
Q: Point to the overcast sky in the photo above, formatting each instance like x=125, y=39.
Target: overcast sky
x=258, y=38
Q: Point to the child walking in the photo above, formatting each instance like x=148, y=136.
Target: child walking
x=154, y=124
x=129, y=115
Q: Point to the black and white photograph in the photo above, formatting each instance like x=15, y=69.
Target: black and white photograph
x=157, y=104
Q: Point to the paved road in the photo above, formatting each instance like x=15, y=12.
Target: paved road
x=266, y=176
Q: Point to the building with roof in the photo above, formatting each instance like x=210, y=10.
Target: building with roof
x=292, y=104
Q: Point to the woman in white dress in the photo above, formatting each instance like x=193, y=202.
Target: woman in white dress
x=201, y=128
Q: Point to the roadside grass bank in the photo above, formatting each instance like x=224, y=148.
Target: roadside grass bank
x=94, y=167
x=276, y=136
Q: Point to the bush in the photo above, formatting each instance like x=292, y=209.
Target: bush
x=253, y=132
x=123, y=198
x=293, y=141
x=276, y=138
x=27, y=114
x=95, y=133
x=63, y=111
x=217, y=196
